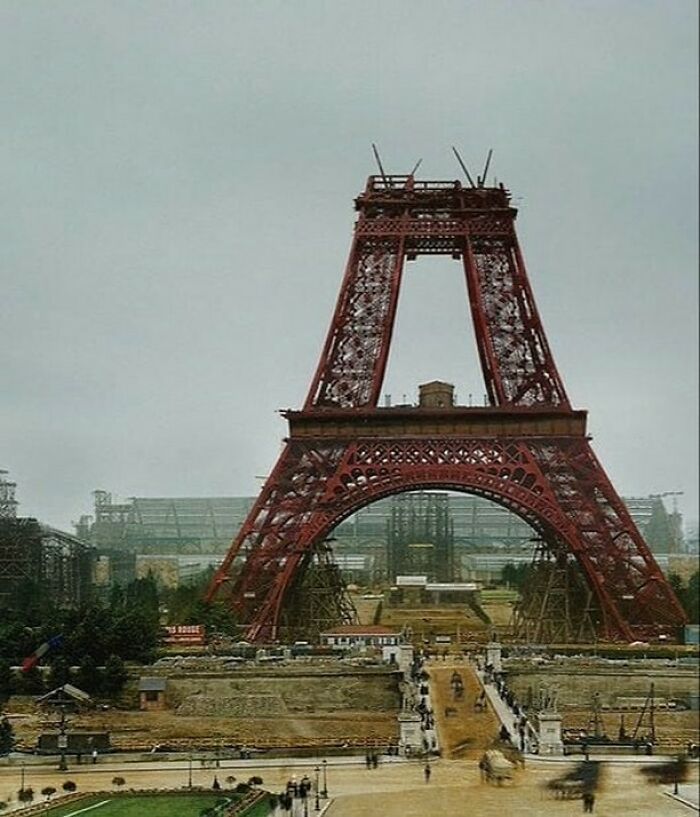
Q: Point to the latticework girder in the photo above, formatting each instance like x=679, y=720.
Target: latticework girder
x=527, y=451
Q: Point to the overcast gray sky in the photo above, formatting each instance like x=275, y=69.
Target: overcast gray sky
x=176, y=184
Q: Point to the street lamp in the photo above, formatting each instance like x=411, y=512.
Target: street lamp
x=317, y=806
x=324, y=793
x=63, y=743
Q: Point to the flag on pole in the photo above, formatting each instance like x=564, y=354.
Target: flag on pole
x=33, y=659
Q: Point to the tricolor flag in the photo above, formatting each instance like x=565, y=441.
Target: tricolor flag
x=40, y=652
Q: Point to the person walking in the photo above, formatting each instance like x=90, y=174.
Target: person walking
x=427, y=772
x=588, y=801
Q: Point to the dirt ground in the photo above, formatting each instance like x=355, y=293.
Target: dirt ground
x=463, y=732
x=133, y=730
x=674, y=730
x=426, y=623
x=455, y=790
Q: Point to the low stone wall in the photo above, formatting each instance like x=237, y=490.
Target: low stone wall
x=577, y=682
x=283, y=695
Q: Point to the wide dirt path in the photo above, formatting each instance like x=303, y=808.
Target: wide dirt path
x=462, y=731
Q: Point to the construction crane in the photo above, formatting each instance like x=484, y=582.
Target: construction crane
x=674, y=494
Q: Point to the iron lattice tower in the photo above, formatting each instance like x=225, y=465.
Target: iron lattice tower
x=527, y=450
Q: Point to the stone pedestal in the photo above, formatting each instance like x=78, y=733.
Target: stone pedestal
x=493, y=655
x=405, y=659
x=550, y=733
x=410, y=735
x=401, y=655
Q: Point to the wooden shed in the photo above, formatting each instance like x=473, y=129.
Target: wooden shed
x=152, y=693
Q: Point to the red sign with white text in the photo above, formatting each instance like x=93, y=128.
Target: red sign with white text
x=185, y=634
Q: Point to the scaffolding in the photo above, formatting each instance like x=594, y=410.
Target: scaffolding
x=420, y=537
x=318, y=600
x=556, y=606
x=39, y=564
x=8, y=503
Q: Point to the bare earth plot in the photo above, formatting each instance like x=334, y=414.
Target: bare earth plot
x=157, y=727
x=674, y=730
x=280, y=708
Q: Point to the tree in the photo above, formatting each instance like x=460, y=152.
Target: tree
x=59, y=673
x=31, y=682
x=515, y=575
x=89, y=676
x=48, y=792
x=677, y=585
x=141, y=595
x=135, y=634
x=688, y=594
x=118, y=782
x=5, y=681
x=114, y=676
x=91, y=634
x=25, y=795
x=69, y=786
x=7, y=738
x=692, y=598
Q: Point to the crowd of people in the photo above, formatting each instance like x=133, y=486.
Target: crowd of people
x=520, y=735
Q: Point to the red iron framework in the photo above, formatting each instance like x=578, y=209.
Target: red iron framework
x=527, y=450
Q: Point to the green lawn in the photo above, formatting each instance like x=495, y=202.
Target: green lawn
x=261, y=810
x=189, y=805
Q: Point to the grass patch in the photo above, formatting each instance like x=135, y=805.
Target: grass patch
x=157, y=805
x=258, y=810
x=498, y=595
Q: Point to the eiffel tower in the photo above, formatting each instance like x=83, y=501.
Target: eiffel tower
x=527, y=450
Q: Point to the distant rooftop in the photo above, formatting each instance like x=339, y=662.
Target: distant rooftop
x=361, y=629
x=152, y=684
